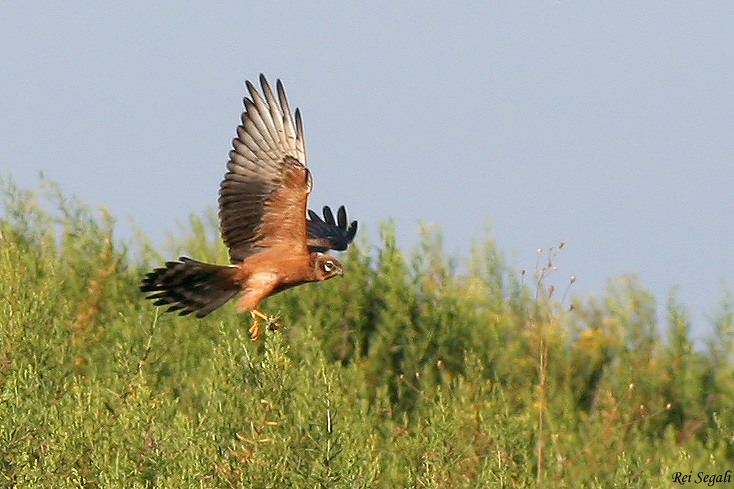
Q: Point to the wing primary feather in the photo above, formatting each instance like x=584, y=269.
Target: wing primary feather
x=253, y=112
x=352, y=231
x=250, y=86
x=282, y=98
x=290, y=131
x=299, y=128
x=264, y=113
x=313, y=216
x=300, y=142
x=341, y=217
x=256, y=127
x=275, y=113
x=328, y=216
x=245, y=136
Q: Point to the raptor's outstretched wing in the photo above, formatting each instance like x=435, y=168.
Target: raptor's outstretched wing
x=262, y=198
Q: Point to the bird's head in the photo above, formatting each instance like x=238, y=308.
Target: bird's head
x=325, y=267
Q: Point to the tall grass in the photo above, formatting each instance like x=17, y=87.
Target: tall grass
x=404, y=373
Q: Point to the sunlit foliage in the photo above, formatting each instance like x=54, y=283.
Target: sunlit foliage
x=414, y=370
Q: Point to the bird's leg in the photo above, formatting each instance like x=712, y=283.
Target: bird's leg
x=255, y=328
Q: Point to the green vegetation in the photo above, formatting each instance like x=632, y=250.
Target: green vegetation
x=402, y=374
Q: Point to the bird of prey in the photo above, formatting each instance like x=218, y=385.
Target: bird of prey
x=262, y=212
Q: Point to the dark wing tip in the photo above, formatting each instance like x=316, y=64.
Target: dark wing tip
x=313, y=216
x=264, y=84
x=328, y=216
x=341, y=217
x=352, y=231
x=328, y=233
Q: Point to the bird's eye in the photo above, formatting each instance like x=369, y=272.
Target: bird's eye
x=328, y=266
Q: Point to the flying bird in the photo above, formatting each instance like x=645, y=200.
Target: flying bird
x=262, y=212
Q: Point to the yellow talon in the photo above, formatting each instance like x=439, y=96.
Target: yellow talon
x=257, y=313
x=255, y=328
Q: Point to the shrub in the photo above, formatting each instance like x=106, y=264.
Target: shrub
x=405, y=373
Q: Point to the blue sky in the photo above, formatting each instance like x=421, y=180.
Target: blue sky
x=608, y=126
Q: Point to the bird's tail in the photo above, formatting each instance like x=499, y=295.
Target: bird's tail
x=191, y=286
